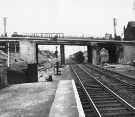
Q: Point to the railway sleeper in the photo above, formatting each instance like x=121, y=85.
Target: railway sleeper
x=106, y=101
x=116, y=113
x=109, y=109
x=96, y=91
x=90, y=115
x=101, y=94
x=94, y=88
x=102, y=98
x=108, y=104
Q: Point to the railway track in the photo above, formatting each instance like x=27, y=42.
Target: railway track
x=86, y=104
x=101, y=101
x=121, y=77
x=115, y=82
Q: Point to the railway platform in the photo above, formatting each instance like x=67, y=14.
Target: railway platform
x=66, y=102
x=58, y=98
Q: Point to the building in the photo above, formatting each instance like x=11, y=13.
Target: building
x=129, y=32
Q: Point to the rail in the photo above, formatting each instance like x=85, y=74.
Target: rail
x=94, y=106
x=108, y=93
x=120, y=98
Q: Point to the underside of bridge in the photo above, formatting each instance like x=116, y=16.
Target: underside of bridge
x=111, y=53
x=93, y=52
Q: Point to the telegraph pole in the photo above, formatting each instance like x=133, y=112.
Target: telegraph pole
x=5, y=24
x=5, y=35
x=114, y=24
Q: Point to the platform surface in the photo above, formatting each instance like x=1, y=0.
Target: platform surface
x=27, y=100
x=66, y=102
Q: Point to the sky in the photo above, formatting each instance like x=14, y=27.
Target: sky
x=74, y=17
x=71, y=17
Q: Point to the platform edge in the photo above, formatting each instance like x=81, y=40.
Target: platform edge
x=78, y=102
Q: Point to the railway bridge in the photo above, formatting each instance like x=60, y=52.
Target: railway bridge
x=27, y=46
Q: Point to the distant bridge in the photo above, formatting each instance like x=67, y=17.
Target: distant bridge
x=64, y=40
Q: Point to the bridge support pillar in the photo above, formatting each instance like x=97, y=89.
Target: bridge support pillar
x=89, y=53
x=28, y=53
x=37, y=54
x=93, y=54
x=62, y=53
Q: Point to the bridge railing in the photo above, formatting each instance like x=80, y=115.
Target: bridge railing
x=39, y=35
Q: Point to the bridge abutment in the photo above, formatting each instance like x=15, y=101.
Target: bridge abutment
x=28, y=52
x=93, y=54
